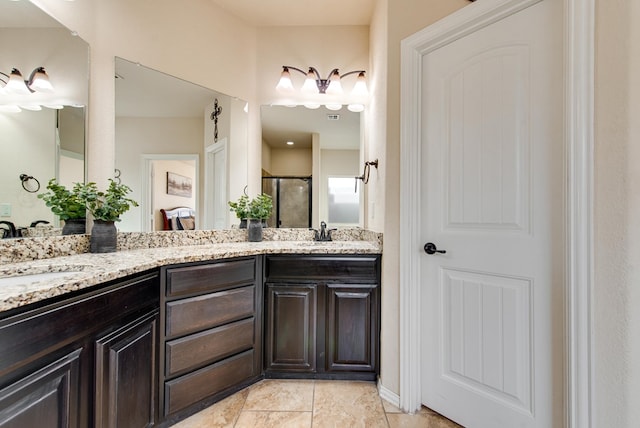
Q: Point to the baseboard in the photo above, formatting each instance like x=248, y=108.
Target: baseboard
x=388, y=395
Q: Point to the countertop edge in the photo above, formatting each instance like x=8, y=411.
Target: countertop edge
x=86, y=270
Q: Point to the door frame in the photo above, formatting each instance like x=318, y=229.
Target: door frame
x=579, y=47
x=146, y=160
x=209, y=183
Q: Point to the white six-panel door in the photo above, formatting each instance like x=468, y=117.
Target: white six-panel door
x=492, y=198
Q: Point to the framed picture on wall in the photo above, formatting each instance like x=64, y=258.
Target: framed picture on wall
x=179, y=185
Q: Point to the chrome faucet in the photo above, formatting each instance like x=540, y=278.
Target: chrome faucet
x=324, y=234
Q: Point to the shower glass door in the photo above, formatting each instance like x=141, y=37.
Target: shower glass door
x=291, y=201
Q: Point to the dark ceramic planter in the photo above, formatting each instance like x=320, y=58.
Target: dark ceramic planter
x=104, y=237
x=75, y=226
x=254, y=230
x=243, y=223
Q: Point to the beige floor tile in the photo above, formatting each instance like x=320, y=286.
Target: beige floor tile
x=426, y=418
x=251, y=419
x=281, y=395
x=390, y=408
x=223, y=414
x=347, y=404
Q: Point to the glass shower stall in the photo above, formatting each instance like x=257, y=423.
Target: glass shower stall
x=291, y=201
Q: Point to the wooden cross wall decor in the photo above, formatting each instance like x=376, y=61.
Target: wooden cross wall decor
x=217, y=111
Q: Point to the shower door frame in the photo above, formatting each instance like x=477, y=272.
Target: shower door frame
x=307, y=178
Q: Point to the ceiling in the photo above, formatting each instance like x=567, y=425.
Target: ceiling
x=21, y=14
x=300, y=12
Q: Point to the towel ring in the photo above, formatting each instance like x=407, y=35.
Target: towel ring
x=27, y=183
x=365, y=174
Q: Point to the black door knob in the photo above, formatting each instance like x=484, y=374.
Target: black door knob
x=430, y=248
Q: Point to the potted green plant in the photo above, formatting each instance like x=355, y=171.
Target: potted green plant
x=260, y=209
x=241, y=208
x=67, y=205
x=106, y=207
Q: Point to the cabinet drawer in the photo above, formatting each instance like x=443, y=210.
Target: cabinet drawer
x=208, y=346
x=189, y=389
x=328, y=268
x=209, y=310
x=209, y=277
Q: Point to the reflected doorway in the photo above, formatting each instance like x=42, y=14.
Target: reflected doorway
x=291, y=201
x=155, y=192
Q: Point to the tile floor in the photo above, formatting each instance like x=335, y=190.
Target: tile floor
x=308, y=403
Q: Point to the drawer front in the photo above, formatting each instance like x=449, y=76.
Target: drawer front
x=209, y=277
x=209, y=310
x=203, y=348
x=189, y=389
x=314, y=268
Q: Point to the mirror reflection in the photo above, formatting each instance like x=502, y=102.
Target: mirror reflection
x=42, y=134
x=182, y=148
x=309, y=161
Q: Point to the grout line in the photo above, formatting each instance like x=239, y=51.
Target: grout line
x=237, y=417
x=313, y=402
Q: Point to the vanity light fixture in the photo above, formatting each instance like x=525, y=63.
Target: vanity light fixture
x=15, y=84
x=314, y=84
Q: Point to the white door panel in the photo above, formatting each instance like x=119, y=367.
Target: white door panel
x=492, y=156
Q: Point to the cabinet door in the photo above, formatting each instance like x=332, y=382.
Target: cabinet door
x=352, y=328
x=126, y=375
x=291, y=327
x=46, y=398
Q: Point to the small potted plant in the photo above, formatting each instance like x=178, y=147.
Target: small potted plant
x=241, y=208
x=67, y=205
x=106, y=207
x=260, y=209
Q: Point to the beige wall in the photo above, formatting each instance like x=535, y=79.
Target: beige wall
x=291, y=162
x=28, y=144
x=403, y=19
x=617, y=210
x=166, y=38
x=138, y=136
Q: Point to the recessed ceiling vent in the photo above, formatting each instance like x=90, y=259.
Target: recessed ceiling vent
x=333, y=117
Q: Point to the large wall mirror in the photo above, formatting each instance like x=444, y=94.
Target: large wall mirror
x=42, y=135
x=182, y=148
x=310, y=159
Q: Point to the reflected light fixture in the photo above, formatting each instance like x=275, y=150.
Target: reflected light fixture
x=18, y=90
x=15, y=84
x=314, y=85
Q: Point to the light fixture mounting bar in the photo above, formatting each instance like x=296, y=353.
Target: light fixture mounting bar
x=321, y=83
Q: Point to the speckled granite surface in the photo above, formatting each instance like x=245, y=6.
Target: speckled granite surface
x=19, y=250
x=67, y=265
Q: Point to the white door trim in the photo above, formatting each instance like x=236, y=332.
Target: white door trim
x=209, y=173
x=579, y=123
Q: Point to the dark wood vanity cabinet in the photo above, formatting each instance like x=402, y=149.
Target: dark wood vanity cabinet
x=322, y=316
x=291, y=327
x=211, y=338
x=126, y=375
x=82, y=360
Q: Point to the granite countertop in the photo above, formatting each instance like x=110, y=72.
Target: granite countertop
x=30, y=281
